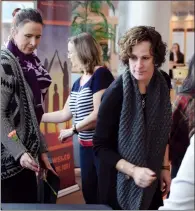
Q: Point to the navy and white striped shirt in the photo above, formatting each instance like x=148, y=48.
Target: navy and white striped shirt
x=81, y=99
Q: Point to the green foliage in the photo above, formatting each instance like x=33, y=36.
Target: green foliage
x=81, y=21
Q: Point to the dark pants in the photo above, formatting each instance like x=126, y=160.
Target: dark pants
x=45, y=194
x=89, y=166
x=157, y=199
x=21, y=188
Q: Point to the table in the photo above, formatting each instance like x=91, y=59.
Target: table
x=10, y=206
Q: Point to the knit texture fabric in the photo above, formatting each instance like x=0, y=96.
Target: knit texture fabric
x=17, y=113
x=35, y=74
x=142, y=139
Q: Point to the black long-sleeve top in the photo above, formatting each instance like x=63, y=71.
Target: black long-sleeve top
x=106, y=133
x=105, y=142
x=180, y=58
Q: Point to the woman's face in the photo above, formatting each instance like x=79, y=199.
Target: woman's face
x=27, y=37
x=175, y=48
x=141, y=62
x=73, y=56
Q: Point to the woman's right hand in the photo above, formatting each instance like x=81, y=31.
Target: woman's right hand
x=28, y=162
x=143, y=177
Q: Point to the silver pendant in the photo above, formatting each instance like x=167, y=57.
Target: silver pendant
x=143, y=103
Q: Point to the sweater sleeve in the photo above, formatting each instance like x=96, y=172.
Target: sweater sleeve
x=16, y=148
x=43, y=145
x=106, y=133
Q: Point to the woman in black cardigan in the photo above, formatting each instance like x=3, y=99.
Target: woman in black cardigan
x=133, y=126
x=176, y=58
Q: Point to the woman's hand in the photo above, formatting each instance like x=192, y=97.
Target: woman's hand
x=143, y=177
x=27, y=161
x=45, y=164
x=165, y=180
x=65, y=133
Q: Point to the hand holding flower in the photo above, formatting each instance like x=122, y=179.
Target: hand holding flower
x=26, y=160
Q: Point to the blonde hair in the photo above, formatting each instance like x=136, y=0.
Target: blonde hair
x=88, y=51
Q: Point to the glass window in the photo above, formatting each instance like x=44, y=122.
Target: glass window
x=7, y=8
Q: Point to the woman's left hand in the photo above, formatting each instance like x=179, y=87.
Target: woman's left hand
x=45, y=164
x=165, y=180
x=65, y=134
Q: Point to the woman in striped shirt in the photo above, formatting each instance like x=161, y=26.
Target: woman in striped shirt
x=83, y=105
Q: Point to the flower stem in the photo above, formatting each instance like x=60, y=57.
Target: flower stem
x=50, y=186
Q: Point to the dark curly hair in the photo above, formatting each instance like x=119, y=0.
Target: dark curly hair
x=137, y=35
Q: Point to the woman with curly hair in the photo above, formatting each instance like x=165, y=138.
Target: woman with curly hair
x=133, y=126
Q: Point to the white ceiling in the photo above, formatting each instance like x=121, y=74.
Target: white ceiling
x=182, y=8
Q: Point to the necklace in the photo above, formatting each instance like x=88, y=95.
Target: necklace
x=77, y=99
x=143, y=98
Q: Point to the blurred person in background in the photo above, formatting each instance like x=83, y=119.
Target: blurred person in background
x=176, y=58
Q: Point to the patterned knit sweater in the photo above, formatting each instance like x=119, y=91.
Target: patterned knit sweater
x=17, y=113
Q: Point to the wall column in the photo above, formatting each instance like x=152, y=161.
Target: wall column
x=149, y=13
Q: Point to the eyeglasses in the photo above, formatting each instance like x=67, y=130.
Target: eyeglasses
x=71, y=53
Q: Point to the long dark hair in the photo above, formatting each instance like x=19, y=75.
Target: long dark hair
x=188, y=86
x=178, y=46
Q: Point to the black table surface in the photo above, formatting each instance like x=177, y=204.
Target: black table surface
x=10, y=206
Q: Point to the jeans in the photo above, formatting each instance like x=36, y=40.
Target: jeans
x=89, y=172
